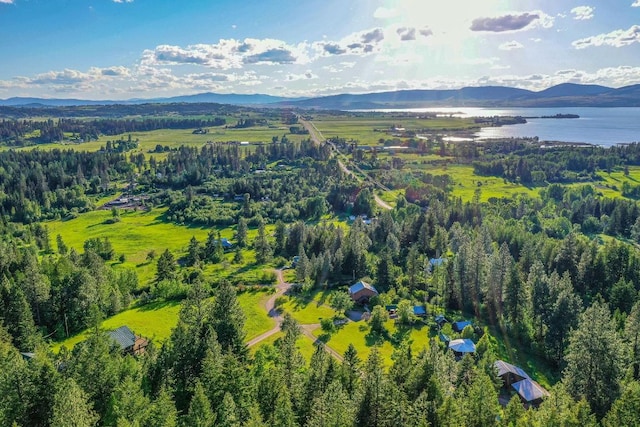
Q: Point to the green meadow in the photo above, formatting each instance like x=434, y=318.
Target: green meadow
x=139, y=232
x=156, y=320
x=363, y=129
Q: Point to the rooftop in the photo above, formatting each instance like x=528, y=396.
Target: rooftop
x=530, y=390
x=123, y=337
x=360, y=285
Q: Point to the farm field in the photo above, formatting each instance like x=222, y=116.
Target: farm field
x=362, y=128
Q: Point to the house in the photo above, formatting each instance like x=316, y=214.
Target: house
x=530, y=391
x=128, y=342
x=361, y=292
x=462, y=346
x=226, y=244
x=460, y=325
x=509, y=373
x=420, y=310
x=294, y=261
x=435, y=262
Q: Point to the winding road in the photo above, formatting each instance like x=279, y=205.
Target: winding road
x=307, y=330
x=270, y=306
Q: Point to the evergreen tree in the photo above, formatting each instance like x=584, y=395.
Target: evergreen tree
x=262, y=246
x=166, y=267
x=594, y=359
x=228, y=320
x=71, y=407
x=241, y=233
x=200, y=413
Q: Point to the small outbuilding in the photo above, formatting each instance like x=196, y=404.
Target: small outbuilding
x=462, y=346
x=530, y=391
x=128, y=342
x=460, y=325
x=420, y=311
x=226, y=244
x=509, y=373
x=440, y=320
x=361, y=292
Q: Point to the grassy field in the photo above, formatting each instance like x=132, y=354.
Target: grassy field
x=174, y=138
x=156, y=320
x=304, y=344
x=139, y=232
x=362, y=128
x=309, y=311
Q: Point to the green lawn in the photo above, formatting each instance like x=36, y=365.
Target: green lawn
x=304, y=344
x=156, y=320
x=308, y=311
x=153, y=321
x=357, y=333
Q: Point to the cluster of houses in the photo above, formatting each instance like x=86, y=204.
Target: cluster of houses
x=513, y=377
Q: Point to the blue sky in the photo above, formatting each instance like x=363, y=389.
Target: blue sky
x=106, y=49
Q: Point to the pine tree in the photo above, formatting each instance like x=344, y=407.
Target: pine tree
x=228, y=320
x=262, y=246
x=166, y=267
x=594, y=359
x=71, y=407
x=241, y=233
x=200, y=413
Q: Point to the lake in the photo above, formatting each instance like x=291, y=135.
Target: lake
x=600, y=126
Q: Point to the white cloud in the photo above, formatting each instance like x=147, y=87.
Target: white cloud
x=6, y=1
x=617, y=38
x=512, y=22
x=636, y=3
x=361, y=43
x=307, y=75
x=386, y=13
x=123, y=1
x=583, y=13
x=229, y=53
x=511, y=45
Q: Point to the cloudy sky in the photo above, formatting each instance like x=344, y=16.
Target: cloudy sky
x=120, y=49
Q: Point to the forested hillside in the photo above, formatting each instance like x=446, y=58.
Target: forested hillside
x=549, y=274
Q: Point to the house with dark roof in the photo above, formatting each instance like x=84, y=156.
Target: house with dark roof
x=361, y=292
x=128, y=342
x=530, y=391
x=509, y=373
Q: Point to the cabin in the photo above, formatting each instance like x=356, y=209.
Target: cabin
x=361, y=292
x=226, y=244
x=420, y=311
x=460, y=325
x=440, y=320
x=462, y=346
x=128, y=342
x=530, y=392
x=509, y=373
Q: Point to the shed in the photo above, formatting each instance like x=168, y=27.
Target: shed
x=226, y=244
x=420, y=310
x=460, y=325
x=440, y=320
x=530, y=391
x=462, y=346
x=510, y=373
x=128, y=341
x=361, y=292
x=435, y=262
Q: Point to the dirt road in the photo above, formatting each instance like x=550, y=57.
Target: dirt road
x=270, y=307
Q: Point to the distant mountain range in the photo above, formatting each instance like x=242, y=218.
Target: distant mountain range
x=563, y=95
